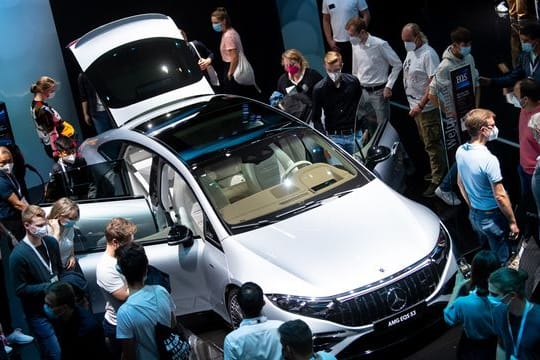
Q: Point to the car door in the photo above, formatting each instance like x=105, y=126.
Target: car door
x=201, y=272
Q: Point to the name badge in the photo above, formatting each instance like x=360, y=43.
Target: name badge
x=512, y=357
x=54, y=279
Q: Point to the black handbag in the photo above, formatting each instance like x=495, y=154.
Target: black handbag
x=170, y=344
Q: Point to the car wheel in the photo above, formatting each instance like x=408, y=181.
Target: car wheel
x=233, y=308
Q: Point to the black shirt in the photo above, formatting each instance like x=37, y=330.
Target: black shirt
x=305, y=85
x=339, y=103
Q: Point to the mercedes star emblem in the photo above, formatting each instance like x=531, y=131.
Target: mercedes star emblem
x=396, y=299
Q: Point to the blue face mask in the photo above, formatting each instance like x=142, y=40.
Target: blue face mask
x=70, y=223
x=496, y=300
x=49, y=312
x=217, y=27
x=526, y=47
x=464, y=51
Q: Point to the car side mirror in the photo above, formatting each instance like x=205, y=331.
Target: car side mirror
x=180, y=235
x=377, y=154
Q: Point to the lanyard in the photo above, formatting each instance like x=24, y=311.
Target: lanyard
x=515, y=344
x=533, y=65
x=15, y=184
x=47, y=266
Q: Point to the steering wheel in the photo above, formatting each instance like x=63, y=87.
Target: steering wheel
x=294, y=166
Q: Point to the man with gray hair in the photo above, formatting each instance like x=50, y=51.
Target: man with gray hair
x=418, y=69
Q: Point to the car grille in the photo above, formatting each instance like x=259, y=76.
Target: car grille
x=367, y=308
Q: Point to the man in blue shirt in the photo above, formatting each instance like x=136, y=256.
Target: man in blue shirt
x=480, y=183
x=297, y=342
x=257, y=338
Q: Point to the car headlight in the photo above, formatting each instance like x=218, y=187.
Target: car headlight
x=319, y=308
x=439, y=255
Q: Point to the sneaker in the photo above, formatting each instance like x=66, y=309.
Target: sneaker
x=17, y=337
x=8, y=349
x=430, y=191
x=449, y=197
x=501, y=7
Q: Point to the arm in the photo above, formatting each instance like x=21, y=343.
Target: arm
x=317, y=110
x=19, y=270
x=477, y=96
x=462, y=190
x=423, y=101
x=17, y=203
x=393, y=60
x=121, y=294
x=234, y=62
x=129, y=349
x=503, y=201
x=327, y=29
x=86, y=113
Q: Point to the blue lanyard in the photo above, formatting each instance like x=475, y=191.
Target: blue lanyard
x=515, y=344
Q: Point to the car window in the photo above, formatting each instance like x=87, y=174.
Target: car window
x=177, y=197
x=141, y=70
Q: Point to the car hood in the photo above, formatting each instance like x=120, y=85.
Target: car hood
x=344, y=244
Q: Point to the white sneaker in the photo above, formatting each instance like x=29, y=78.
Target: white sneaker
x=501, y=8
x=17, y=337
x=449, y=197
x=8, y=349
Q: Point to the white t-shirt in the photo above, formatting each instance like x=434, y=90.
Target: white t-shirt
x=419, y=66
x=340, y=12
x=109, y=280
x=138, y=316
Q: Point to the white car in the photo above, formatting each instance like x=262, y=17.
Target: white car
x=226, y=190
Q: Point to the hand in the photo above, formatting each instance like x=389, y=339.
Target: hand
x=387, y=93
x=71, y=263
x=55, y=226
x=415, y=111
x=484, y=81
x=514, y=232
x=229, y=76
x=203, y=63
x=87, y=119
x=333, y=46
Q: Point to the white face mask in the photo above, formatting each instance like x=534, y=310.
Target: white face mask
x=70, y=159
x=409, y=45
x=494, y=133
x=52, y=94
x=335, y=76
x=7, y=168
x=40, y=231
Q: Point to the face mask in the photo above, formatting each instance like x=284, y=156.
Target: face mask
x=464, y=51
x=493, y=134
x=512, y=99
x=409, y=45
x=526, y=47
x=7, y=168
x=52, y=94
x=292, y=69
x=335, y=76
x=49, y=312
x=217, y=27
x=70, y=159
x=354, y=40
x=40, y=231
x=496, y=300
x=69, y=223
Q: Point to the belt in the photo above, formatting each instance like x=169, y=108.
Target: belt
x=373, y=88
x=341, y=132
x=487, y=212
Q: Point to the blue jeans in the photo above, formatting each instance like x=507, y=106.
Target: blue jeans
x=113, y=345
x=492, y=229
x=347, y=142
x=450, y=179
x=101, y=121
x=46, y=337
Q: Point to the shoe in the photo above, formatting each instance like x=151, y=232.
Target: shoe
x=449, y=197
x=17, y=337
x=501, y=7
x=8, y=349
x=430, y=191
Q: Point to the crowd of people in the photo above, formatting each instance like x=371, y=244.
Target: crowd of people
x=497, y=306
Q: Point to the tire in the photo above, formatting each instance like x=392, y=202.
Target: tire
x=233, y=308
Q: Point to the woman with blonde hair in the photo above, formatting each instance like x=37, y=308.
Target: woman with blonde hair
x=62, y=218
x=48, y=122
x=298, y=76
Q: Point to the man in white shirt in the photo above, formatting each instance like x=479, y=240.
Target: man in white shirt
x=113, y=284
x=418, y=69
x=336, y=13
x=257, y=338
x=372, y=59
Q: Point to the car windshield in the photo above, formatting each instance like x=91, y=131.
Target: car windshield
x=143, y=69
x=255, y=164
